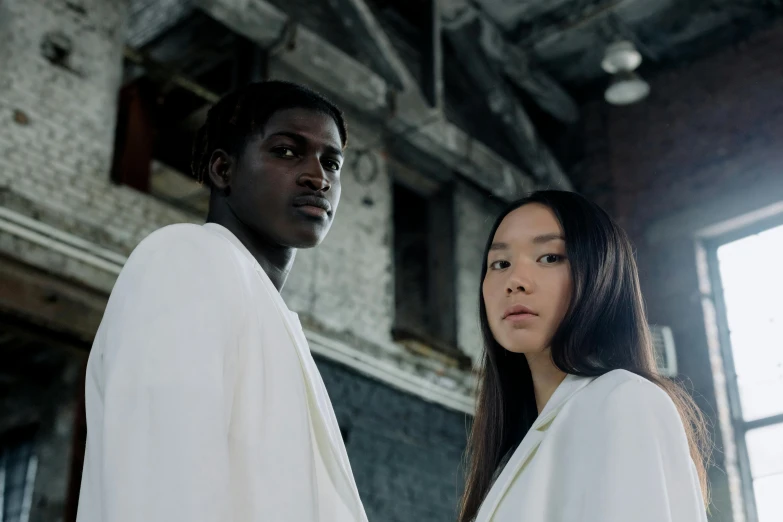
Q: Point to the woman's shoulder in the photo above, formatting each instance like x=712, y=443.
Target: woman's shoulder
x=626, y=394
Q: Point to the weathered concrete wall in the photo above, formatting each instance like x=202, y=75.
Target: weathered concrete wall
x=475, y=214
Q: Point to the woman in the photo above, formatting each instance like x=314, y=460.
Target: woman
x=573, y=422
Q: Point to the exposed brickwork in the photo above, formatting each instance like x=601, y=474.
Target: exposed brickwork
x=59, y=161
x=405, y=454
x=709, y=133
x=707, y=130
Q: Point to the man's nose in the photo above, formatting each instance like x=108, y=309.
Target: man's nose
x=314, y=177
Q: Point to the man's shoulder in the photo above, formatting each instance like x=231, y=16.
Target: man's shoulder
x=182, y=239
x=184, y=248
x=177, y=234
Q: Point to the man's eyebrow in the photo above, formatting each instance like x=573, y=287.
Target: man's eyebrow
x=302, y=140
x=293, y=135
x=498, y=246
x=334, y=150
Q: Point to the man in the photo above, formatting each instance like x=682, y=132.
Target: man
x=203, y=401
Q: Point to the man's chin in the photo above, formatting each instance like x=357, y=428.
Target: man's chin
x=308, y=238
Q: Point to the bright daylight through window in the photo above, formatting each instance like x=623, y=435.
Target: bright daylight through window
x=751, y=271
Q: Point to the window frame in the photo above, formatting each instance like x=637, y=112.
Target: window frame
x=440, y=198
x=739, y=425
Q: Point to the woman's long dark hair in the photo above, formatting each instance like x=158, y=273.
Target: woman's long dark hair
x=604, y=329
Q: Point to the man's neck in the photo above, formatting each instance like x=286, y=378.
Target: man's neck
x=275, y=260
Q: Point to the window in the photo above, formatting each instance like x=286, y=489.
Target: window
x=18, y=465
x=424, y=269
x=169, y=83
x=750, y=276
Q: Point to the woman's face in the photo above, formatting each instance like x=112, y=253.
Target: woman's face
x=527, y=287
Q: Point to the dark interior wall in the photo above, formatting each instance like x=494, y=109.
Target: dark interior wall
x=405, y=453
x=39, y=394
x=704, y=149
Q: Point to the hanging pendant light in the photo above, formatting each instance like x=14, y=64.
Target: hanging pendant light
x=626, y=88
x=621, y=59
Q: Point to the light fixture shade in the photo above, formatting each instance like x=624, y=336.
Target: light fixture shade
x=621, y=56
x=626, y=88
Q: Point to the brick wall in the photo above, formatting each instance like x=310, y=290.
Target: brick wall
x=405, y=453
x=56, y=161
x=703, y=149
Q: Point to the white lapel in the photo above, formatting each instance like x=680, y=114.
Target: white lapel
x=324, y=421
x=527, y=448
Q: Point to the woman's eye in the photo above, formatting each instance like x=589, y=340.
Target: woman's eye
x=551, y=259
x=499, y=265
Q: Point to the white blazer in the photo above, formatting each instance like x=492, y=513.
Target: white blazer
x=606, y=449
x=203, y=401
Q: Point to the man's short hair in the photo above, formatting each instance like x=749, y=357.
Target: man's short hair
x=238, y=116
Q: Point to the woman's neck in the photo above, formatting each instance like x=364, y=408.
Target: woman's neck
x=546, y=377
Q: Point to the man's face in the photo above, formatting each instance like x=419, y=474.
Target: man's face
x=285, y=182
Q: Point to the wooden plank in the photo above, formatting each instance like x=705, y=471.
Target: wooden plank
x=547, y=93
x=251, y=63
x=359, y=21
x=511, y=60
x=432, y=58
x=134, y=142
x=258, y=20
x=507, y=110
x=42, y=299
x=442, y=265
x=414, y=127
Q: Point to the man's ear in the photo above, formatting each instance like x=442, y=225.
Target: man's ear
x=221, y=170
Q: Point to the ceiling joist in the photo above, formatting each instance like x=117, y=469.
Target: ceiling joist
x=460, y=18
x=312, y=59
x=465, y=37
x=359, y=20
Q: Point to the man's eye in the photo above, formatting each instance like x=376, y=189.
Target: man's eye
x=284, y=152
x=332, y=165
x=499, y=265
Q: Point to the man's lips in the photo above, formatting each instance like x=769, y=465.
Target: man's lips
x=518, y=310
x=313, y=201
